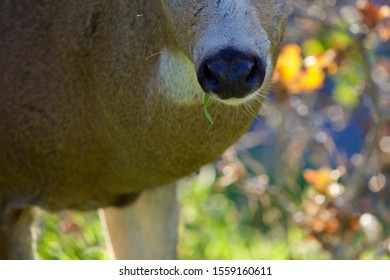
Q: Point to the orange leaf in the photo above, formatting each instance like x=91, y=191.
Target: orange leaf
x=313, y=79
x=298, y=75
x=289, y=63
x=371, y=12
x=320, y=178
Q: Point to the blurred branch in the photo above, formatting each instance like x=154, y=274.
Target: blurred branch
x=370, y=84
x=356, y=186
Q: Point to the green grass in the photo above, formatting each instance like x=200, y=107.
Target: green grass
x=211, y=227
x=71, y=236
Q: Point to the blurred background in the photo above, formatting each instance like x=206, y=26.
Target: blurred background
x=311, y=178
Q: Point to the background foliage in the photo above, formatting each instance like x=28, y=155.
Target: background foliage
x=311, y=179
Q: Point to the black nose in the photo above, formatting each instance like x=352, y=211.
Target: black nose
x=231, y=74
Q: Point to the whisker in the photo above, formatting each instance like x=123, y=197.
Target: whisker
x=248, y=108
x=276, y=87
x=153, y=55
x=245, y=112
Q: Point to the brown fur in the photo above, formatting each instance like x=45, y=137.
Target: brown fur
x=81, y=122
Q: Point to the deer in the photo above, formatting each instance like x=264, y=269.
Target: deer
x=102, y=107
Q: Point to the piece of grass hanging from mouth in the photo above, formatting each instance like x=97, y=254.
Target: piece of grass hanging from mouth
x=206, y=113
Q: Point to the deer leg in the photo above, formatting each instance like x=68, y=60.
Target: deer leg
x=17, y=239
x=146, y=229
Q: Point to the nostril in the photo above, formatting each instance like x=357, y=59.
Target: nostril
x=256, y=74
x=243, y=69
x=212, y=78
x=207, y=78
